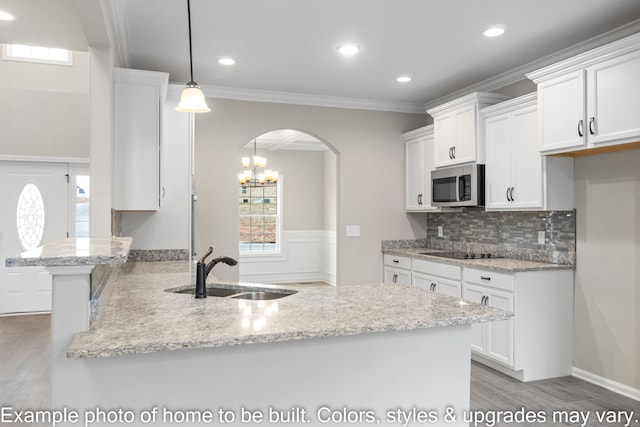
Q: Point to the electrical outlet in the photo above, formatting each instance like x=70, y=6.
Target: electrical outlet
x=541, y=238
x=353, y=231
x=440, y=231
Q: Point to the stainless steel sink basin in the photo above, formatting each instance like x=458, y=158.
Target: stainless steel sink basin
x=237, y=292
x=211, y=292
x=262, y=295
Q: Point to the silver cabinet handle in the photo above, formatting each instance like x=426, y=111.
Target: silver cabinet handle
x=592, y=129
x=580, y=126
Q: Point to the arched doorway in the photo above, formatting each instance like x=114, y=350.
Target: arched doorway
x=287, y=224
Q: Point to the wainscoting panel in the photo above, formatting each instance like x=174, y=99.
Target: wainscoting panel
x=306, y=256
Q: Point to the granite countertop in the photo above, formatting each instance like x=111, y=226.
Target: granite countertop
x=140, y=317
x=75, y=251
x=504, y=265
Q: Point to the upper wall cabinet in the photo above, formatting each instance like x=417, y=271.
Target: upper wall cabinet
x=518, y=177
x=458, y=129
x=419, y=162
x=590, y=100
x=138, y=101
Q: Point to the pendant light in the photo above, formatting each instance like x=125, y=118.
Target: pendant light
x=192, y=99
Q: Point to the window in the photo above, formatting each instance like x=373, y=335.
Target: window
x=82, y=206
x=260, y=214
x=43, y=55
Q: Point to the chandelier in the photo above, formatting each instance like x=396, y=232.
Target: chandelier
x=255, y=173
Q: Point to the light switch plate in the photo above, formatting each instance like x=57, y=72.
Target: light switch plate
x=541, y=237
x=353, y=231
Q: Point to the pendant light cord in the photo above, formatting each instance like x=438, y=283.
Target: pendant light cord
x=190, y=52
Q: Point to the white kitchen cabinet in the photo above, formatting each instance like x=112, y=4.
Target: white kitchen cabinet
x=493, y=339
x=397, y=269
x=537, y=342
x=590, y=100
x=419, y=162
x=437, y=277
x=138, y=101
x=517, y=176
x=458, y=129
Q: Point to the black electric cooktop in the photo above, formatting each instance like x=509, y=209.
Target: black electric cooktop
x=464, y=255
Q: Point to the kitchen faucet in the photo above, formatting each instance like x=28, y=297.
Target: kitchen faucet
x=203, y=270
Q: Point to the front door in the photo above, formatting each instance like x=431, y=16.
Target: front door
x=34, y=211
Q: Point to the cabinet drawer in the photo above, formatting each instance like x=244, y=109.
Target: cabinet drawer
x=438, y=269
x=489, y=278
x=397, y=261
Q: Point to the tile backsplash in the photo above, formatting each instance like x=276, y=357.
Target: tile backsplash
x=512, y=234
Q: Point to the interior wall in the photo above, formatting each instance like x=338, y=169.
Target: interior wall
x=303, y=185
x=370, y=185
x=607, y=285
x=330, y=187
x=44, y=108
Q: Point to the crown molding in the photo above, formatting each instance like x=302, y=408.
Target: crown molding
x=122, y=32
x=518, y=74
x=524, y=101
x=423, y=132
x=475, y=98
x=43, y=159
x=256, y=95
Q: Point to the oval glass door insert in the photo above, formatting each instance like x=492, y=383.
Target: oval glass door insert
x=30, y=217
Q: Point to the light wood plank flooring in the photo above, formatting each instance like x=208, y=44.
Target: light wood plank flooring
x=24, y=381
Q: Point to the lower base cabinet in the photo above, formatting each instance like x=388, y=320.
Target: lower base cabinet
x=537, y=343
x=397, y=269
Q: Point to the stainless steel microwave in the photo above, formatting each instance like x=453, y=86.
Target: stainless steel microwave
x=458, y=186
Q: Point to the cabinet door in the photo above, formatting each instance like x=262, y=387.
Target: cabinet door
x=499, y=335
x=423, y=281
x=413, y=174
x=428, y=164
x=614, y=100
x=443, y=126
x=526, y=160
x=498, y=170
x=449, y=288
x=465, y=135
x=395, y=275
x=562, y=113
x=474, y=293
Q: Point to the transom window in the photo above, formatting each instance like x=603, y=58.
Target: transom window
x=42, y=55
x=260, y=218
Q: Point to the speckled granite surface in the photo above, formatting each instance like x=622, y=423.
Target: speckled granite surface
x=75, y=251
x=139, y=317
x=156, y=255
x=505, y=265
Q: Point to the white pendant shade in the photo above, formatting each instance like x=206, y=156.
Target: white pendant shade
x=192, y=100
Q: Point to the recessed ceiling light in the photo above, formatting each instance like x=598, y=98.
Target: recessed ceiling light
x=403, y=79
x=493, y=32
x=6, y=16
x=349, y=49
x=226, y=61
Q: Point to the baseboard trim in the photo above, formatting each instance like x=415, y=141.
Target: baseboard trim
x=623, y=389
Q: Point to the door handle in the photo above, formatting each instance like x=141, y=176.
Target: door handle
x=395, y=278
x=511, y=194
x=485, y=278
x=508, y=199
x=454, y=151
x=592, y=123
x=580, y=126
x=451, y=152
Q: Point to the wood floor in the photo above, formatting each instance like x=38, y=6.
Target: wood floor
x=24, y=383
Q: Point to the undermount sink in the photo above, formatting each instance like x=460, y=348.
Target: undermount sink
x=250, y=293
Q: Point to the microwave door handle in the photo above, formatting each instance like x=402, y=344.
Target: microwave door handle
x=460, y=188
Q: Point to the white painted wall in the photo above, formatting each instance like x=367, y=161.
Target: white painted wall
x=607, y=285
x=44, y=109
x=370, y=175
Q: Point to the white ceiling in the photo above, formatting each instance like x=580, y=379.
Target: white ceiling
x=288, y=46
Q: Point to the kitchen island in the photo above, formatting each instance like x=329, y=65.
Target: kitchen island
x=370, y=354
